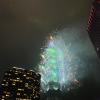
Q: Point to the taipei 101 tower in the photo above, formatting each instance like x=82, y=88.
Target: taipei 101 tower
x=94, y=25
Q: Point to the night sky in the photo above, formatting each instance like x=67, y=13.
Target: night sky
x=24, y=25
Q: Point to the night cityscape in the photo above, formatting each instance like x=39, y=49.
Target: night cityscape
x=50, y=50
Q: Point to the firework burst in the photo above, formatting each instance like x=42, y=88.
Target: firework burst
x=57, y=64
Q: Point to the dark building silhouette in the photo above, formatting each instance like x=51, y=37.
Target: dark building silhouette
x=94, y=25
x=20, y=84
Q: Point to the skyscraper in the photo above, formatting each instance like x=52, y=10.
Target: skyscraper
x=94, y=25
x=20, y=84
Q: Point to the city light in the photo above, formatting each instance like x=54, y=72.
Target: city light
x=58, y=65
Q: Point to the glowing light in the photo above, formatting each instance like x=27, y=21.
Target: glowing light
x=58, y=64
x=51, y=37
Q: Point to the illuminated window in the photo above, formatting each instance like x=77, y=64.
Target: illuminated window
x=9, y=74
x=27, y=78
x=28, y=73
x=24, y=94
x=10, y=79
x=14, y=83
x=18, y=93
x=7, y=95
x=24, y=75
x=8, y=92
x=21, y=84
x=2, y=84
x=6, y=84
x=21, y=81
x=21, y=89
x=3, y=96
x=18, y=78
x=26, y=84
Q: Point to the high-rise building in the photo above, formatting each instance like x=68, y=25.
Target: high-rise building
x=20, y=84
x=94, y=25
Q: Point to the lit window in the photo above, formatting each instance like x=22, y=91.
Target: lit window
x=9, y=74
x=18, y=78
x=10, y=79
x=24, y=75
x=16, y=71
x=21, y=81
x=26, y=84
x=2, y=84
x=3, y=96
x=7, y=95
x=24, y=94
x=28, y=73
x=21, y=89
x=14, y=83
x=18, y=93
x=6, y=84
x=27, y=78
x=8, y=92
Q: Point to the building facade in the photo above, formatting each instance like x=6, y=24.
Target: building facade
x=20, y=84
x=94, y=25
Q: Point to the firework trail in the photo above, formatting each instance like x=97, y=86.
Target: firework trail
x=58, y=64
